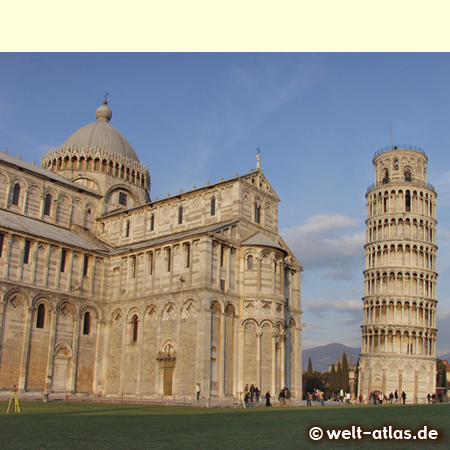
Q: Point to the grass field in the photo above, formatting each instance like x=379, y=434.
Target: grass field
x=121, y=426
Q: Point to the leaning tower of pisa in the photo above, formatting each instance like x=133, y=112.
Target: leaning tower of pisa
x=399, y=324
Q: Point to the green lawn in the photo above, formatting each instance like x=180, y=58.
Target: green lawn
x=121, y=426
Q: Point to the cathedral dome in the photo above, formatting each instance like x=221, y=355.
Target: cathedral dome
x=101, y=135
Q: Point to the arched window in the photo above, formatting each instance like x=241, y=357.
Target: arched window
x=87, y=323
x=407, y=174
x=213, y=206
x=47, y=205
x=250, y=262
x=386, y=176
x=134, y=325
x=396, y=164
x=257, y=213
x=40, y=321
x=16, y=194
x=408, y=202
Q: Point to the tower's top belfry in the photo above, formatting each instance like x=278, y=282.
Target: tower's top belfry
x=400, y=164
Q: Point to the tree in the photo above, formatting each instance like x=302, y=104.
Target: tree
x=441, y=374
x=338, y=384
x=332, y=382
x=309, y=381
x=345, y=377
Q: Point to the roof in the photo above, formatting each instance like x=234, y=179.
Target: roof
x=33, y=227
x=258, y=239
x=171, y=237
x=101, y=135
x=43, y=173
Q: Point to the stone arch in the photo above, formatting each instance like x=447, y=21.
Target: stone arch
x=62, y=363
x=169, y=311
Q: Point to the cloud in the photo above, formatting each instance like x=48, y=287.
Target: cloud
x=331, y=243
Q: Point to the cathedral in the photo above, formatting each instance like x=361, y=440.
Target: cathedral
x=105, y=291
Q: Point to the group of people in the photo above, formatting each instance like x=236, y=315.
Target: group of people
x=378, y=399
x=316, y=395
x=251, y=394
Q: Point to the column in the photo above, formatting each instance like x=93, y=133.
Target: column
x=51, y=348
x=258, y=355
x=25, y=349
x=222, y=355
x=75, y=342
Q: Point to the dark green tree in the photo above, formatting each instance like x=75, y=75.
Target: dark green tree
x=345, y=377
x=441, y=374
x=332, y=382
x=338, y=384
x=309, y=381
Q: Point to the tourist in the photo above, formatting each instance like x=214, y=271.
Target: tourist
x=268, y=397
x=282, y=397
x=257, y=394
x=308, y=399
x=403, y=397
x=252, y=392
x=287, y=395
x=396, y=396
x=198, y=390
x=246, y=400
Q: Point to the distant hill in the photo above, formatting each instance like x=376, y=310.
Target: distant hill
x=323, y=356
x=446, y=356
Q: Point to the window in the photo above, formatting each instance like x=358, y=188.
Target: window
x=2, y=238
x=250, y=263
x=47, y=205
x=40, y=320
x=26, y=252
x=396, y=164
x=134, y=326
x=408, y=202
x=407, y=174
x=123, y=198
x=168, y=256
x=16, y=194
x=386, y=177
x=180, y=215
x=187, y=255
x=257, y=213
x=133, y=267
x=213, y=206
x=150, y=263
x=87, y=323
x=85, y=266
x=127, y=229
x=152, y=222
x=62, y=268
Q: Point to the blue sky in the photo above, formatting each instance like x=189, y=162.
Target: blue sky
x=318, y=119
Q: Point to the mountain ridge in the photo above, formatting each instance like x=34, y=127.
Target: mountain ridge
x=325, y=355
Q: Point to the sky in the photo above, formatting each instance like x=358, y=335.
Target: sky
x=318, y=119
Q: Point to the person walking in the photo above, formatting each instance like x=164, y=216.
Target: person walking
x=287, y=395
x=197, y=391
x=308, y=399
x=403, y=397
x=396, y=397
